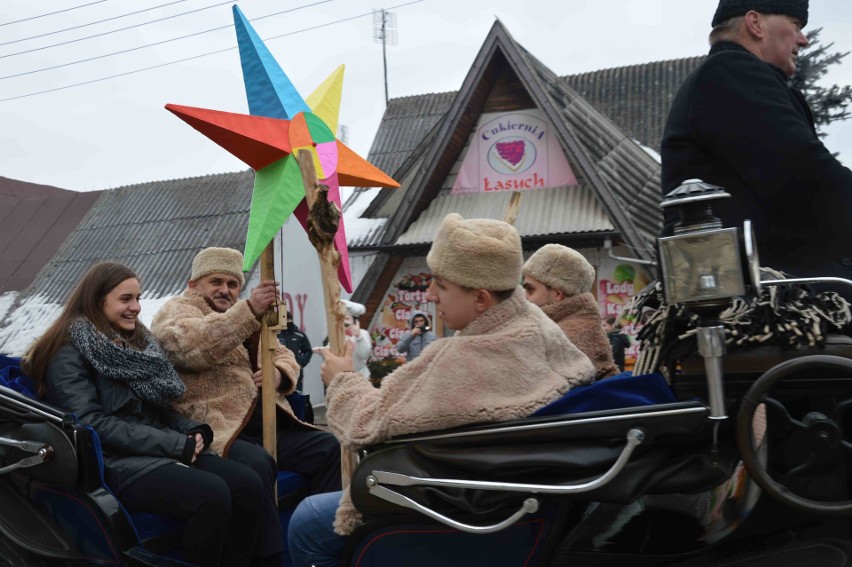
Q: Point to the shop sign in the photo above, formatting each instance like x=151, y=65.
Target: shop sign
x=514, y=151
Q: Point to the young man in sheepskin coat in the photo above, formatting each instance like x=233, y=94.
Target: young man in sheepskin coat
x=559, y=280
x=506, y=360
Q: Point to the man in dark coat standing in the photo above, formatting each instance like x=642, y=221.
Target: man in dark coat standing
x=736, y=122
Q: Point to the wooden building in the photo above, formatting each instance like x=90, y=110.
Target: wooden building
x=605, y=125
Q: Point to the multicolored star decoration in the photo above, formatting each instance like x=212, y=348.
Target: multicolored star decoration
x=280, y=124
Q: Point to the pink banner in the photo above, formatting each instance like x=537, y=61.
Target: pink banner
x=514, y=151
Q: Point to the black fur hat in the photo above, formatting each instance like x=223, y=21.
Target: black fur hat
x=732, y=8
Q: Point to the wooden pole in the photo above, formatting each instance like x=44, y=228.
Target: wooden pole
x=329, y=261
x=268, y=345
x=512, y=209
x=335, y=313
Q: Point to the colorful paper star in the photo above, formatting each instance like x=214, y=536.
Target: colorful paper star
x=280, y=125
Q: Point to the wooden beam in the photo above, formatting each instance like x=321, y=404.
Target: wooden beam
x=512, y=208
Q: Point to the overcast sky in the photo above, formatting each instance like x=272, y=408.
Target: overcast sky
x=114, y=132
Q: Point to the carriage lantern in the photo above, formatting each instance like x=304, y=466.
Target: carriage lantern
x=704, y=266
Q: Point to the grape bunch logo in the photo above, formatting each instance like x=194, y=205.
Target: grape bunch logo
x=511, y=156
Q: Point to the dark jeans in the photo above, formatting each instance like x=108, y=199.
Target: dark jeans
x=217, y=497
x=311, y=532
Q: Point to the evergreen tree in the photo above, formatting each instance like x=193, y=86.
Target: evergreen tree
x=827, y=103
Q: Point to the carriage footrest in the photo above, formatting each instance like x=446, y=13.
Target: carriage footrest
x=827, y=552
x=27, y=527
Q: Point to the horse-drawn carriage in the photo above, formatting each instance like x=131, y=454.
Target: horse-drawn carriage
x=727, y=458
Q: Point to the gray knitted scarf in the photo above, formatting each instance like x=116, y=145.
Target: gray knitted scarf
x=148, y=372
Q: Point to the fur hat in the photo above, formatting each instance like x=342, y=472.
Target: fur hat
x=562, y=268
x=218, y=260
x=477, y=253
x=732, y=8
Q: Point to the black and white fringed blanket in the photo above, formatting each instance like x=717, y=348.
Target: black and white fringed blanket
x=789, y=316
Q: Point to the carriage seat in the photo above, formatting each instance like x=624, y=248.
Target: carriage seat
x=504, y=487
x=612, y=455
x=158, y=533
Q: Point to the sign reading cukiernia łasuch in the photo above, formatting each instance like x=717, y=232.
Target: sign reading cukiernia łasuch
x=514, y=151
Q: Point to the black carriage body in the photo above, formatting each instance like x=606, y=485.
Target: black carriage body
x=684, y=498
x=681, y=498
x=59, y=512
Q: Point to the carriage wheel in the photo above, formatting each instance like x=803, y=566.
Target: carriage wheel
x=818, y=432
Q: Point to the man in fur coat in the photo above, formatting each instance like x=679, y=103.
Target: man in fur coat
x=736, y=122
x=212, y=338
x=559, y=280
x=505, y=361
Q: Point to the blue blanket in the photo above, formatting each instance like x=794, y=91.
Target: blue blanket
x=620, y=391
x=12, y=377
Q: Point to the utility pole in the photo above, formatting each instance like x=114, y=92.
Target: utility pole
x=384, y=32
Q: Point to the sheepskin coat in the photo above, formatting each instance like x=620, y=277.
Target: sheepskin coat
x=206, y=348
x=580, y=319
x=506, y=364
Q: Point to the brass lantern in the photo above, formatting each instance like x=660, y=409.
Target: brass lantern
x=704, y=266
x=703, y=262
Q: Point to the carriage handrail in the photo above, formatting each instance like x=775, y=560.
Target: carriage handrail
x=374, y=481
x=42, y=453
x=527, y=424
x=822, y=279
x=22, y=402
x=529, y=506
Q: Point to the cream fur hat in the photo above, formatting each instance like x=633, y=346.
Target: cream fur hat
x=562, y=268
x=218, y=260
x=477, y=253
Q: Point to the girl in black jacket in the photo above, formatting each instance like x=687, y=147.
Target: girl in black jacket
x=99, y=362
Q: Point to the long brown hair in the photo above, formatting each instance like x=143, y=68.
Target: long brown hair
x=85, y=301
